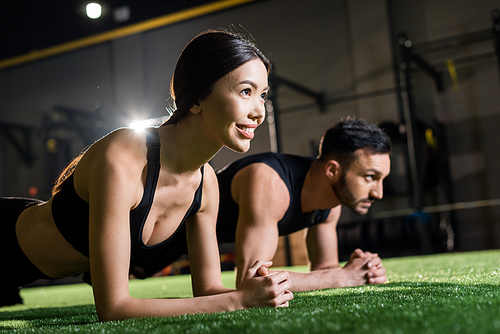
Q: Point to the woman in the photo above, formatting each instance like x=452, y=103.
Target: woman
x=131, y=191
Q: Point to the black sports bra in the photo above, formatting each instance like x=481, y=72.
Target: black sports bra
x=71, y=213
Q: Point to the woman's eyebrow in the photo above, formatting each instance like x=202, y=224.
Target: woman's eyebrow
x=251, y=83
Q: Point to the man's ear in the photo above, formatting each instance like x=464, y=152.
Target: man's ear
x=332, y=169
x=196, y=108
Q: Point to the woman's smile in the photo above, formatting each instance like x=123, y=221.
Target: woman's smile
x=247, y=130
x=235, y=107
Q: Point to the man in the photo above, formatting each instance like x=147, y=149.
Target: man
x=267, y=195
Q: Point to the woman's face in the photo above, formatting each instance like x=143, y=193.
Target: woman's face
x=235, y=107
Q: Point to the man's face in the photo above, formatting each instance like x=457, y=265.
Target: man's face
x=359, y=185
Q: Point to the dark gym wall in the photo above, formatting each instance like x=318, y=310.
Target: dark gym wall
x=340, y=48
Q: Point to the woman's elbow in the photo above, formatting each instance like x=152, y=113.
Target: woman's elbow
x=111, y=312
x=105, y=315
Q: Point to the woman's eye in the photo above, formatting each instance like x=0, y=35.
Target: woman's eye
x=246, y=91
x=263, y=96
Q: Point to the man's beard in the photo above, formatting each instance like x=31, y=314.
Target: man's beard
x=346, y=197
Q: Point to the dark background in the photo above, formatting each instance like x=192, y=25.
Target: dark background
x=438, y=96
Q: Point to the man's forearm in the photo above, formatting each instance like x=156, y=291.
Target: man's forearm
x=355, y=272
x=318, y=279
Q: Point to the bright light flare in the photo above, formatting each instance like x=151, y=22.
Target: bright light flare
x=141, y=125
x=93, y=10
x=146, y=123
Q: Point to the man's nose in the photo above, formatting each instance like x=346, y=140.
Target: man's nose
x=377, y=191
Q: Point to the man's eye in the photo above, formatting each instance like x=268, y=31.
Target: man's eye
x=369, y=177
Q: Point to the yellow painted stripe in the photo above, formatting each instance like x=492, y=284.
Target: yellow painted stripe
x=122, y=32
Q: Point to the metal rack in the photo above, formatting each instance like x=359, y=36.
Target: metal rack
x=23, y=146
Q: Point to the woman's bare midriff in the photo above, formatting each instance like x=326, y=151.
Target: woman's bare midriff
x=44, y=246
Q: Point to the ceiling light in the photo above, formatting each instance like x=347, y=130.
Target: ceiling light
x=93, y=10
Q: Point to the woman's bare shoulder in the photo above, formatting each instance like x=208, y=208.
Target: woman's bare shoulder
x=119, y=156
x=122, y=147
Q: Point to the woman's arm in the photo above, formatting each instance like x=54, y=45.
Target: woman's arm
x=205, y=260
x=112, y=191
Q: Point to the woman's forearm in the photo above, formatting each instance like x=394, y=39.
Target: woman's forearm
x=140, y=308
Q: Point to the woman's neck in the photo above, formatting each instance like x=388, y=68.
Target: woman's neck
x=184, y=148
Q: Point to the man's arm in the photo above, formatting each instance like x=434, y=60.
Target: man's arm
x=263, y=199
x=321, y=239
x=325, y=271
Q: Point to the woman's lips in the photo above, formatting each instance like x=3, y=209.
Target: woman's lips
x=247, y=131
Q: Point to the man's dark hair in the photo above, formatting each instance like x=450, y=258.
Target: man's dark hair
x=349, y=135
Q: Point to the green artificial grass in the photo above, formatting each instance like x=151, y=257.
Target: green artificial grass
x=437, y=294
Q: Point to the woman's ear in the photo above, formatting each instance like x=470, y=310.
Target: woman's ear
x=332, y=169
x=196, y=108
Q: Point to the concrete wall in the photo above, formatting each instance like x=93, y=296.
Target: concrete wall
x=468, y=109
x=340, y=48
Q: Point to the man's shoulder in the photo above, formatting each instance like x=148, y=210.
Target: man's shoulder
x=280, y=159
x=259, y=171
x=258, y=184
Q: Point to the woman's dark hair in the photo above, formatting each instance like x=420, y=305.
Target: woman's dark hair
x=205, y=59
x=351, y=134
x=67, y=171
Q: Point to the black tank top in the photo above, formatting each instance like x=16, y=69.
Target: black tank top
x=71, y=213
x=292, y=169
